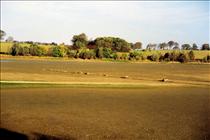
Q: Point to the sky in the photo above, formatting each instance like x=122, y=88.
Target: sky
x=147, y=22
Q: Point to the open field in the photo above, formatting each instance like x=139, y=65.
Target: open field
x=106, y=113
x=68, y=99
x=78, y=72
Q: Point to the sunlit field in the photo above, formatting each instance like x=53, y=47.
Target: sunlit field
x=106, y=113
x=93, y=100
x=104, y=70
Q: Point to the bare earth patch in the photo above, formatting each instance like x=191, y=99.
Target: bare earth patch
x=107, y=113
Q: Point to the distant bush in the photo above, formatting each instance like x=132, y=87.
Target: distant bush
x=133, y=55
x=153, y=57
x=161, y=58
x=124, y=56
x=182, y=58
x=15, y=49
x=137, y=55
x=92, y=54
x=107, y=52
x=87, y=54
x=99, y=52
x=114, y=56
x=58, y=51
x=71, y=53
x=167, y=57
x=36, y=50
x=173, y=56
x=24, y=51
x=205, y=47
x=191, y=55
x=206, y=59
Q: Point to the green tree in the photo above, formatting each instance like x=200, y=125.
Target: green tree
x=186, y=47
x=114, y=56
x=80, y=41
x=205, y=47
x=105, y=42
x=58, y=51
x=163, y=46
x=121, y=45
x=176, y=46
x=2, y=34
x=194, y=46
x=171, y=44
x=107, y=52
x=116, y=44
x=132, y=45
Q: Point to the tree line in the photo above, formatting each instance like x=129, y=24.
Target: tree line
x=116, y=44
x=107, y=47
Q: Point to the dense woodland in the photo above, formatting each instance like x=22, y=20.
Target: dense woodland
x=106, y=48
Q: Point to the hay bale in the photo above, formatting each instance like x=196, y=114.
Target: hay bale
x=105, y=75
x=124, y=77
x=79, y=72
x=164, y=80
x=86, y=73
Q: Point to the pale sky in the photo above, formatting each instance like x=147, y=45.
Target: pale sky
x=148, y=22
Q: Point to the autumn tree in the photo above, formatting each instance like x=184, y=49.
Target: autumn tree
x=137, y=45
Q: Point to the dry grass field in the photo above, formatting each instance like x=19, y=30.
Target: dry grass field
x=88, y=100
x=84, y=71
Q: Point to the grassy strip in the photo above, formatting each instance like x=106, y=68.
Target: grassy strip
x=49, y=85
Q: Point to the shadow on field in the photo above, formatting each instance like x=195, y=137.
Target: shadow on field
x=38, y=136
x=6, y=134
x=11, y=135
